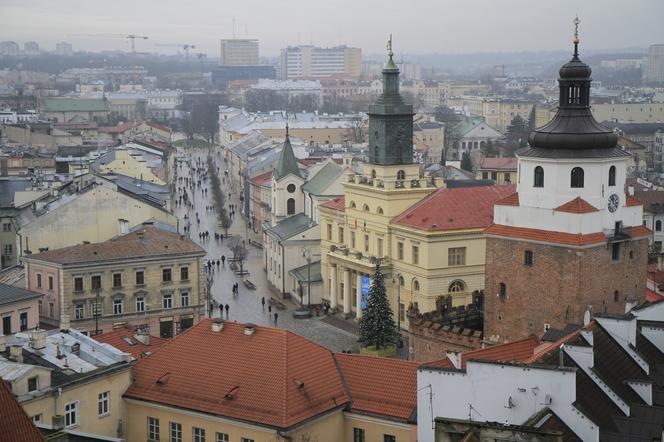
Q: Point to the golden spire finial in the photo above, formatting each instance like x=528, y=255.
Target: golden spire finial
x=389, y=47
x=576, y=22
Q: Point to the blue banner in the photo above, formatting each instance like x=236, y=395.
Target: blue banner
x=364, y=291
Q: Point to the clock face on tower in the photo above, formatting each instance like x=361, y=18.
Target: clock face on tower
x=614, y=200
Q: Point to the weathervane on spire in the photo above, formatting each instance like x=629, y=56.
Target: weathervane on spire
x=575, y=40
x=389, y=47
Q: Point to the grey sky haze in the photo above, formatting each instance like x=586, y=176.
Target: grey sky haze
x=422, y=26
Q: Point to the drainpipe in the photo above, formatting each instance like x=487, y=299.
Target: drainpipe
x=283, y=268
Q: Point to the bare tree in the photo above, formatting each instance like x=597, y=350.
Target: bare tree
x=240, y=252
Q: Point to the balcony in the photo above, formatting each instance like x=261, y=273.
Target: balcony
x=362, y=258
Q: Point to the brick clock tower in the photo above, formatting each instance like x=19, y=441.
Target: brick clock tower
x=569, y=242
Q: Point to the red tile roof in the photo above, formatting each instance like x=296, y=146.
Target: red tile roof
x=577, y=205
x=15, y=425
x=638, y=231
x=380, y=386
x=159, y=126
x=553, y=346
x=338, y=203
x=517, y=351
x=262, y=178
x=507, y=164
x=272, y=377
x=454, y=209
x=511, y=200
x=632, y=201
x=116, y=338
x=145, y=242
x=652, y=296
x=547, y=236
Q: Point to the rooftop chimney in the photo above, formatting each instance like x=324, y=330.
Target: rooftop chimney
x=217, y=325
x=249, y=329
x=16, y=353
x=143, y=337
x=38, y=339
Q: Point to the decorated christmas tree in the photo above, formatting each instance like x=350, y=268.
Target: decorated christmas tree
x=377, y=326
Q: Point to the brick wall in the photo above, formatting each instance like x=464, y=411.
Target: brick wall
x=558, y=287
x=431, y=340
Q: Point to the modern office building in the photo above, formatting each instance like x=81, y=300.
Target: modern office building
x=316, y=62
x=238, y=52
x=654, y=69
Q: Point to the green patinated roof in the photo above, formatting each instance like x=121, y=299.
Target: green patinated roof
x=74, y=105
x=287, y=163
x=322, y=180
x=291, y=226
x=302, y=275
x=466, y=124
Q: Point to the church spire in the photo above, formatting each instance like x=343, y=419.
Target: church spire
x=575, y=40
x=287, y=163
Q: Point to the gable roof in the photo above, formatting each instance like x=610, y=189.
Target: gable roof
x=262, y=179
x=517, y=351
x=380, y=386
x=74, y=105
x=338, y=203
x=291, y=226
x=144, y=242
x=123, y=339
x=510, y=200
x=454, y=209
x=577, y=205
x=272, y=377
x=14, y=422
x=10, y=293
x=503, y=163
x=323, y=178
x=287, y=163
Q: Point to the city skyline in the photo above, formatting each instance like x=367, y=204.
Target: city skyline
x=445, y=28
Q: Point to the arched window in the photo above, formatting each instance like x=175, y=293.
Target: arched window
x=577, y=177
x=457, y=287
x=401, y=281
x=612, y=176
x=416, y=285
x=539, y=177
x=401, y=175
x=352, y=205
x=658, y=225
x=365, y=207
x=290, y=206
x=380, y=210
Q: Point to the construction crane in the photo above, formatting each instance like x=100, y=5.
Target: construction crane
x=131, y=37
x=185, y=48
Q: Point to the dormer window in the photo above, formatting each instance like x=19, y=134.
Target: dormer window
x=401, y=175
x=577, y=178
x=612, y=176
x=539, y=177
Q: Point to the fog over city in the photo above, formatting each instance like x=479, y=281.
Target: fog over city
x=426, y=26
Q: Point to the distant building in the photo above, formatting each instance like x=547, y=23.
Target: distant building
x=9, y=48
x=292, y=88
x=63, y=48
x=654, y=69
x=19, y=309
x=629, y=112
x=500, y=170
x=31, y=48
x=222, y=75
x=316, y=62
x=74, y=109
x=239, y=52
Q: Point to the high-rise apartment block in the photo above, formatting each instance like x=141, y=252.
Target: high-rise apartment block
x=312, y=61
x=654, y=69
x=239, y=52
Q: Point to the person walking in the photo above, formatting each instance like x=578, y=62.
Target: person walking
x=218, y=263
x=221, y=310
x=263, y=302
x=276, y=316
x=227, y=308
x=269, y=309
x=223, y=260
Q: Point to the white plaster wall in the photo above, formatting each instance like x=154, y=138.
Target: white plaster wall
x=487, y=387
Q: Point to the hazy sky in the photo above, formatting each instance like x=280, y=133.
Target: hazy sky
x=418, y=26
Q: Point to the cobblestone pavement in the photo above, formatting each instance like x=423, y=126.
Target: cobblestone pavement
x=246, y=307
